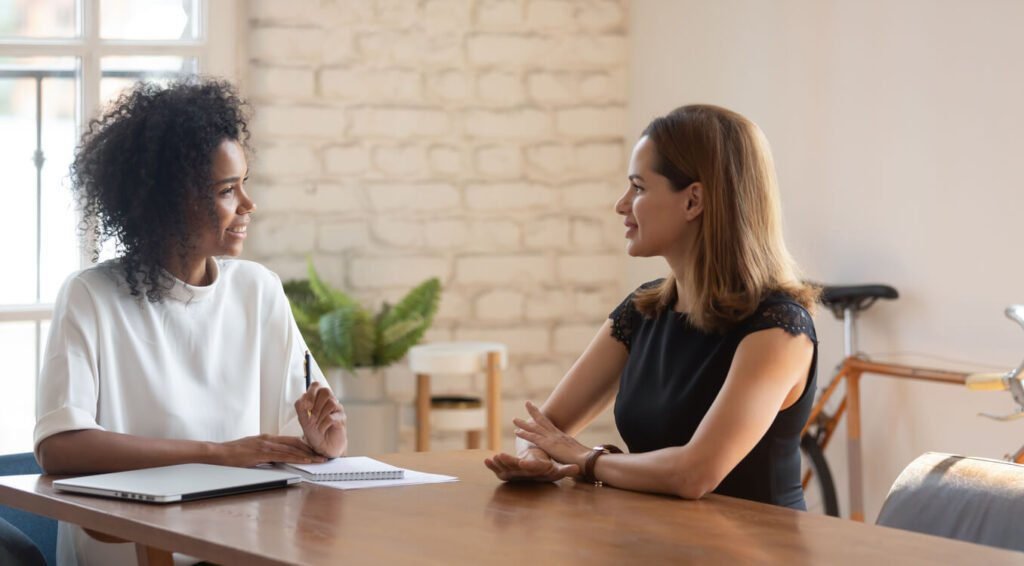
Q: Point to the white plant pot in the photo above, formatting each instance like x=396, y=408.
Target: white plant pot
x=372, y=415
x=363, y=384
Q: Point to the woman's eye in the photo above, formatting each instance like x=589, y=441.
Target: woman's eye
x=636, y=188
x=227, y=191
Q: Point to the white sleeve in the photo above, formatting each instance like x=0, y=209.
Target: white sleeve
x=283, y=371
x=68, y=390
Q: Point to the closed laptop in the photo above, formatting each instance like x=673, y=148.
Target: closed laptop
x=182, y=482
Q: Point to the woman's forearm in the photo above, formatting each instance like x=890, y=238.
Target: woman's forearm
x=98, y=451
x=674, y=471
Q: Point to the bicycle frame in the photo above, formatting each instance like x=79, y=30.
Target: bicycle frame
x=852, y=368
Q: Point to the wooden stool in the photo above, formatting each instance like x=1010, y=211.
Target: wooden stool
x=459, y=413
x=459, y=358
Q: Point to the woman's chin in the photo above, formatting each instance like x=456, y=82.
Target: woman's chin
x=230, y=251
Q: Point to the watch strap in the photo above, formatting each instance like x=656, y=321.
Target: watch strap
x=591, y=462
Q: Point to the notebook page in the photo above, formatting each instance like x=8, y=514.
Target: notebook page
x=348, y=468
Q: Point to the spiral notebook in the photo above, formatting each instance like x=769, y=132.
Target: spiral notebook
x=349, y=468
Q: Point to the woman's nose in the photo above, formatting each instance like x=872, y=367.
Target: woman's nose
x=246, y=205
x=622, y=205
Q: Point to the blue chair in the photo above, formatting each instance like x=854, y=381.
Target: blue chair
x=41, y=531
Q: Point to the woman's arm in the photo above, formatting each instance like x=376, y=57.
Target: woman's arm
x=95, y=451
x=590, y=384
x=768, y=373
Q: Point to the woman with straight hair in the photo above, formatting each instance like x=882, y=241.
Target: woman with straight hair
x=711, y=369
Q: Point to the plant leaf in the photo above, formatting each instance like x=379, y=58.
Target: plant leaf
x=325, y=293
x=337, y=333
x=307, y=310
x=404, y=324
x=364, y=338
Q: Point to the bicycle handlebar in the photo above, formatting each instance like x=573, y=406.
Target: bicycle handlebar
x=987, y=382
x=1003, y=381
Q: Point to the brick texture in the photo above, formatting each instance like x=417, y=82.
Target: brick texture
x=479, y=141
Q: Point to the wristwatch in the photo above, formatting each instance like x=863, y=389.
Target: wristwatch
x=591, y=462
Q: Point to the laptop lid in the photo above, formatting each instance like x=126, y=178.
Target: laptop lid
x=182, y=482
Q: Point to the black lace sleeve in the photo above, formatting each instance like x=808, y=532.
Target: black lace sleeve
x=625, y=318
x=787, y=315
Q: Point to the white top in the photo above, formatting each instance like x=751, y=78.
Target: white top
x=213, y=363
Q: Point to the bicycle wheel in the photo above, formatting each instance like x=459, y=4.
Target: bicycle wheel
x=820, y=493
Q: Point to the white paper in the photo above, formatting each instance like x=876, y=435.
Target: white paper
x=412, y=477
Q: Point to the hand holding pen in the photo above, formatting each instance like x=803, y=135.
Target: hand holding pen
x=321, y=416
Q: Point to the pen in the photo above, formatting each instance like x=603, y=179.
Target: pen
x=306, y=367
x=309, y=413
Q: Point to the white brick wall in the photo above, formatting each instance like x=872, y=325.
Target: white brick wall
x=480, y=141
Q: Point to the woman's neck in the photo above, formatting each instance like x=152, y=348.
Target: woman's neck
x=681, y=264
x=193, y=271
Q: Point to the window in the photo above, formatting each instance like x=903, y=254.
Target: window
x=60, y=61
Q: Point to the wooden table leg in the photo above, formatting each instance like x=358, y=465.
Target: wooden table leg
x=422, y=412
x=494, y=401
x=149, y=556
x=853, y=447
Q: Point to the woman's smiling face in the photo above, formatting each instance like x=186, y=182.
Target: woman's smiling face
x=231, y=204
x=655, y=214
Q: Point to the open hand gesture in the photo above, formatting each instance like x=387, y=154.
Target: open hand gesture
x=545, y=435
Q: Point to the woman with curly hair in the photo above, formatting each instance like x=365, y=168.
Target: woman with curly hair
x=174, y=352
x=711, y=369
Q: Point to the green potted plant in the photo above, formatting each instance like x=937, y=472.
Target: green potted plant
x=348, y=340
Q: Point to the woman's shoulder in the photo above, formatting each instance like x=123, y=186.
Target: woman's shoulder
x=627, y=304
x=247, y=271
x=103, y=277
x=780, y=310
x=649, y=285
x=626, y=317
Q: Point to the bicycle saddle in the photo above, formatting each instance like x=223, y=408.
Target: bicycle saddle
x=838, y=298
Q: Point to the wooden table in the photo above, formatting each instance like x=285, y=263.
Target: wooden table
x=481, y=520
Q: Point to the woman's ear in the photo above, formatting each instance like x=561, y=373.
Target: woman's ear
x=694, y=204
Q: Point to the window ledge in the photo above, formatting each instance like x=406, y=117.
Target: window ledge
x=13, y=313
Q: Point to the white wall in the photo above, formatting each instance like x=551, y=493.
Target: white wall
x=896, y=132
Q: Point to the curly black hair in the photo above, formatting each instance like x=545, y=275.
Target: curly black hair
x=143, y=165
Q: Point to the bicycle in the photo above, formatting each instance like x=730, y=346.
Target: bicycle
x=846, y=303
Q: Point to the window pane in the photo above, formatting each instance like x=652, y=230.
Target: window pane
x=149, y=19
x=18, y=382
x=120, y=73
x=38, y=18
x=22, y=80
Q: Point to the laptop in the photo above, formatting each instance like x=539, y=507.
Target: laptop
x=182, y=482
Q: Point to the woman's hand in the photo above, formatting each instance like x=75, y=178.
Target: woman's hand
x=533, y=464
x=545, y=435
x=323, y=421
x=264, y=449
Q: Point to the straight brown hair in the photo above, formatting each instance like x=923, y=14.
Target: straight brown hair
x=740, y=256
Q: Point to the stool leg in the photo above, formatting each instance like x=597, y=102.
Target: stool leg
x=422, y=412
x=472, y=439
x=494, y=401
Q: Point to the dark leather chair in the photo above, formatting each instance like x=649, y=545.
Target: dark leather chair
x=19, y=528
x=971, y=499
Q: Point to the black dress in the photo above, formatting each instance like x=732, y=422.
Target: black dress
x=675, y=371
